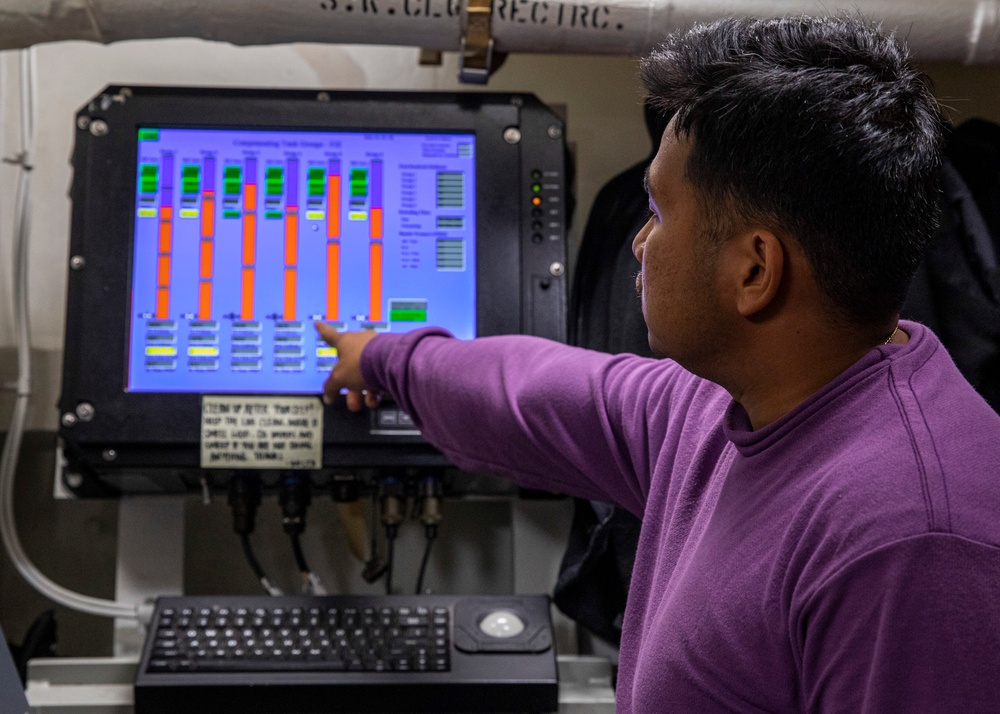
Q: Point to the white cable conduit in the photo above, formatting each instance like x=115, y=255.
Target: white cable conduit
x=964, y=30
x=12, y=444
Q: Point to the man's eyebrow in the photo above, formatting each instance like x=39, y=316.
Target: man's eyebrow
x=645, y=180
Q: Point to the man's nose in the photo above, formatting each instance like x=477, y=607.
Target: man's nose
x=639, y=242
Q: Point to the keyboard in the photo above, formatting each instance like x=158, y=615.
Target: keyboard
x=348, y=653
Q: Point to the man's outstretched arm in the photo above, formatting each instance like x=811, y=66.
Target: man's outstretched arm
x=547, y=415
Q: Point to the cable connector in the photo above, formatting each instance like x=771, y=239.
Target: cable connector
x=244, y=498
x=294, y=498
x=392, y=493
x=429, y=500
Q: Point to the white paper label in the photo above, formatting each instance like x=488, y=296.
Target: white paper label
x=252, y=432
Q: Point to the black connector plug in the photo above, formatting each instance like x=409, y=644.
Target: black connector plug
x=392, y=494
x=294, y=497
x=244, y=498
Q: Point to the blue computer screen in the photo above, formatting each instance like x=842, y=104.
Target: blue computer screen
x=244, y=237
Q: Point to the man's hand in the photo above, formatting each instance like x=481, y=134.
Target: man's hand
x=346, y=374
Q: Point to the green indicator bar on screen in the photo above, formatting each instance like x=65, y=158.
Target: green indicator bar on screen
x=149, y=178
x=274, y=180
x=408, y=316
x=359, y=183
x=230, y=214
x=272, y=214
x=190, y=178
x=232, y=180
x=149, y=135
x=408, y=311
x=316, y=181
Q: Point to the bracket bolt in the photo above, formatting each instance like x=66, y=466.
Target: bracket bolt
x=555, y=131
x=77, y=262
x=85, y=411
x=99, y=127
x=557, y=269
x=109, y=454
x=69, y=419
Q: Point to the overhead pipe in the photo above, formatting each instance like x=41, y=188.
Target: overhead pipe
x=963, y=30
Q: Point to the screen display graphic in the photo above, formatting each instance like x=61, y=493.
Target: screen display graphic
x=244, y=237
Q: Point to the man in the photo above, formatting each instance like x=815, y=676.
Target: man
x=818, y=485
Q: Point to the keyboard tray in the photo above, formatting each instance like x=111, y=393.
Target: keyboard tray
x=348, y=653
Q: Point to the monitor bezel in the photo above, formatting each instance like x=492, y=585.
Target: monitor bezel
x=155, y=429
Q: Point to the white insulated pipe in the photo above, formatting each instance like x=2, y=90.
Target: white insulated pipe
x=963, y=30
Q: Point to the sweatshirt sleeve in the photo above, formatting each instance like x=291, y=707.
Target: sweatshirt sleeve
x=544, y=414
x=911, y=627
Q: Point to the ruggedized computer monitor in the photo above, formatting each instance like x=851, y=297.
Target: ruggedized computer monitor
x=212, y=228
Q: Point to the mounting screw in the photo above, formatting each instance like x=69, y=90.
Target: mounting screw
x=109, y=454
x=517, y=101
x=73, y=480
x=85, y=411
x=125, y=92
x=77, y=262
x=512, y=135
x=82, y=122
x=69, y=419
x=323, y=97
x=555, y=131
x=557, y=269
x=99, y=127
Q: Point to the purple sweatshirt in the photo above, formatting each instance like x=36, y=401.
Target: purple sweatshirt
x=845, y=558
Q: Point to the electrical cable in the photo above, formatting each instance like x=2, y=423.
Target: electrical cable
x=392, y=492
x=429, y=498
x=252, y=558
x=375, y=567
x=294, y=499
x=431, y=533
x=389, y=548
x=300, y=557
x=244, y=498
x=12, y=445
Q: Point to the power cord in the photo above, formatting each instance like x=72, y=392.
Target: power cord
x=429, y=499
x=375, y=567
x=392, y=494
x=244, y=498
x=294, y=498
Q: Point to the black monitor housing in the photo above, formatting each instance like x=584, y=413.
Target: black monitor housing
x=211, y=227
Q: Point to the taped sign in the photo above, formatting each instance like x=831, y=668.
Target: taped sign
x=252, y=432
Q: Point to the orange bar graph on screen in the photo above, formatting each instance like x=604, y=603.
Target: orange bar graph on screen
x=375, y=277
x=246, y=300
x=163, y=267
x=291, y=239
x=291, y=275
x=376, y=224
x=162, y=303
x=333, y=206
x=332, y=280
x=163, y=271
x=166, y=230
x=205, y=300
x=207, y=256
x=249, y=239
x=208, y=214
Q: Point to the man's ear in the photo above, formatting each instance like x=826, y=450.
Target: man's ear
x=759, y=260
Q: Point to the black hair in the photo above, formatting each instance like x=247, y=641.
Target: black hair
x=818, y=128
